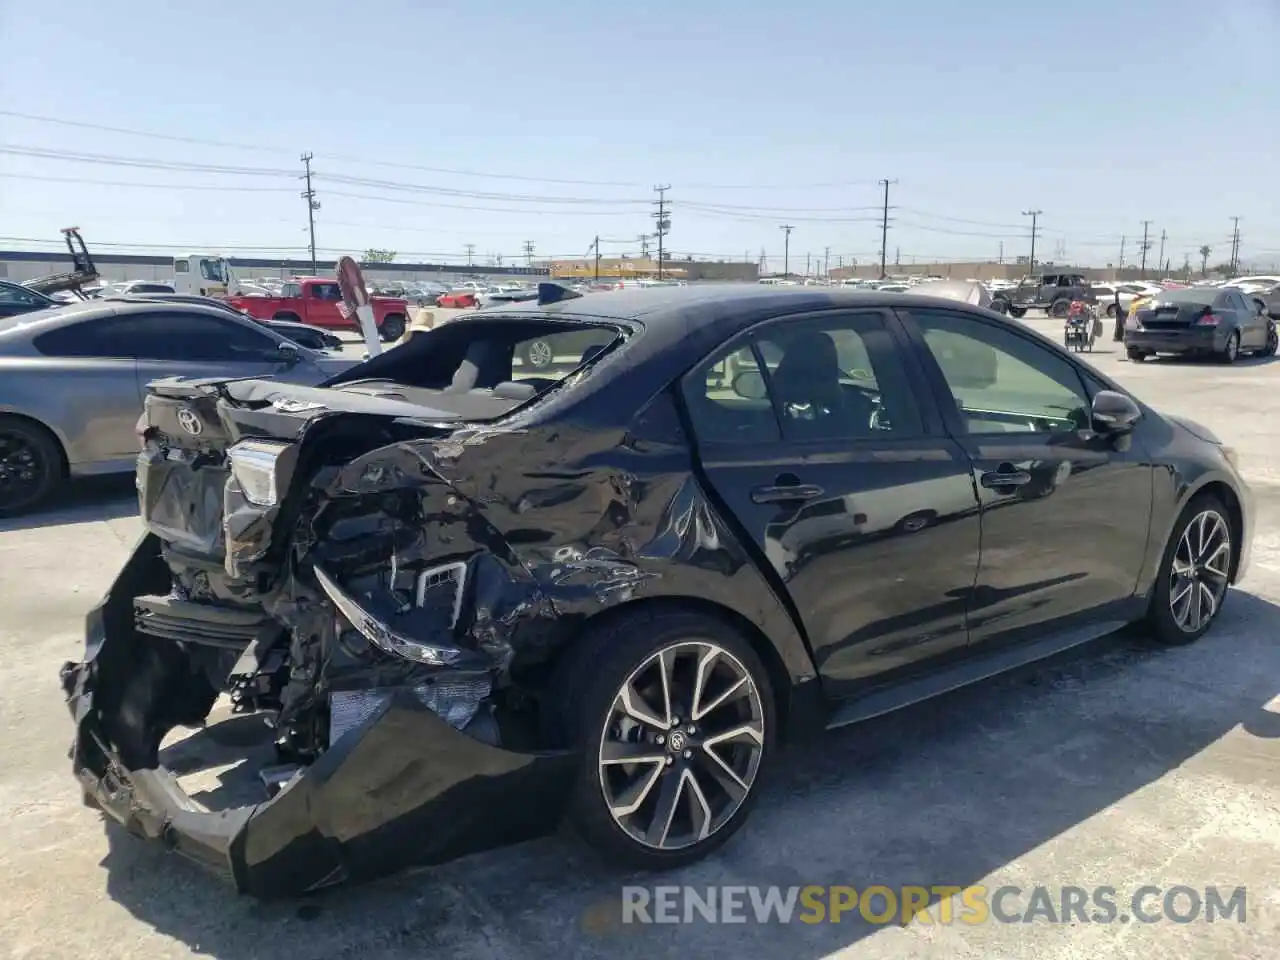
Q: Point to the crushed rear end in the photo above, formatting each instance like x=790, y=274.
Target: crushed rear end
x=326, y=613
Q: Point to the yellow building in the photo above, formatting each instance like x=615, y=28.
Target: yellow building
x=614, y=268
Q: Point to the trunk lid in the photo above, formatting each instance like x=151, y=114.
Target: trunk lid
x=1172, y=316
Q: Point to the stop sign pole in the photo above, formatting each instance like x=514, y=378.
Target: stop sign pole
x=355, y=297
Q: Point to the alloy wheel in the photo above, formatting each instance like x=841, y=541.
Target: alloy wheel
x=21, y=469
x=1233, y=347
x=1200, y=571
x=539, y=354
x=681, y=745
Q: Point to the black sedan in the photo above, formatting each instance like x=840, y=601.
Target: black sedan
x=472, y=602
x=1219, y=322
x=15, y=299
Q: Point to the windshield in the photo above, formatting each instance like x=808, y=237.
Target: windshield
x=215, y=270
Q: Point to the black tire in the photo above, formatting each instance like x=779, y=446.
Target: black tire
x=1161, y=616
x=1231, y=352
x=1111, y=310
x=585, y=693
x=1137, y=356
x=1060, y=308
x=538, y=354
x=393, y=325
x=1273, y=342
x=288, y=317
x=1017, y=312
x=31, y=465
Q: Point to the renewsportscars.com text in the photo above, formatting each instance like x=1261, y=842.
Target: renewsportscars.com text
x=940, y=903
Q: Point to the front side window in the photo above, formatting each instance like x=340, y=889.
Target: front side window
x=181, y=266
x=326, y=291
x=1002, y=382
x=212, y=270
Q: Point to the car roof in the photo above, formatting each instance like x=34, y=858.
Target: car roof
x=692, y=320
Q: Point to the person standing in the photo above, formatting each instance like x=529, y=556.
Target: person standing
x=1120, y=318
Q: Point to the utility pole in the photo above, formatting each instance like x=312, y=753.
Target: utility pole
x=663, y=217
x=807, y=257
x=313, y=205
x=644, y=244
x=826, y=263
x=1001, y=260
x=786, y=229
x=1035, y=218
x=471, y=252
x=528, y=253
x=1235, y=246
x=1146, y=245
x=1122, y=242
x=884, y=226
x=597, y=246
x=1163, y=237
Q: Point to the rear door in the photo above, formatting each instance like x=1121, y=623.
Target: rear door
x=94, y=387
x=861, y=505
x=1065, y=513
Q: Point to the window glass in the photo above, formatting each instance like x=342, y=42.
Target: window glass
x=181, y=266
x=1003, y=383
x=17, y=295
x=325, y=291
x=291, y=290
x=728, y=400
x=160, y=336
x=828, y=379
x=839, y=378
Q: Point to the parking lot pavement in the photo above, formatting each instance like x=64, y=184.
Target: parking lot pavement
x=1121, y=765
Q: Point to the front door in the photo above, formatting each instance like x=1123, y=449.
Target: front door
x=322, y=305
x=1065, y=512
x=811, y=434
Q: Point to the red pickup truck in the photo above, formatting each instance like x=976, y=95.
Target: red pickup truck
x=318, y=302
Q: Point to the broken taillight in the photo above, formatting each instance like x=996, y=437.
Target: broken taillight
x=1209, y=320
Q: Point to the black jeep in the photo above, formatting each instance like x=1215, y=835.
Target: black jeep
x=1052, y=292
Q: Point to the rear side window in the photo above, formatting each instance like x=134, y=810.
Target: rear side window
x=806, y=380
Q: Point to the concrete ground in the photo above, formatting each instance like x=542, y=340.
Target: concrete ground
x=1121, y=765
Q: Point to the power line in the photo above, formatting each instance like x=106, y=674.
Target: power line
x=347, y=158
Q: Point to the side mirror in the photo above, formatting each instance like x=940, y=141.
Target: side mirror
x=288, y=352
x=1114, y=412
x=750, y=385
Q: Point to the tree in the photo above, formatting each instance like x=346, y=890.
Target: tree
x=373, y=255
x=1204, y=259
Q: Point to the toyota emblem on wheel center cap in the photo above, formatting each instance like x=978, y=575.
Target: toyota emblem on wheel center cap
x=189, y=420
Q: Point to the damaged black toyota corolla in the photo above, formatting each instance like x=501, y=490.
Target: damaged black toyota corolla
x=463, y=598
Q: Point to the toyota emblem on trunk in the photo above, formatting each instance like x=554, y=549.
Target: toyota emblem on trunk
x=189, y=420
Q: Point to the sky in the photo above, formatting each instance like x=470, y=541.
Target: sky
x=160, y=126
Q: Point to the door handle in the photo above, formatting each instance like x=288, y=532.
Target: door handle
x=1005, y=477
x=785, y=493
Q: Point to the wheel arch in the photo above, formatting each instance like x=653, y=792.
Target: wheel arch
x=1235, y=514
x=800, y=706
x=59, y=443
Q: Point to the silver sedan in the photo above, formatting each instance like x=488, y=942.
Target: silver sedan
x=72, y=381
